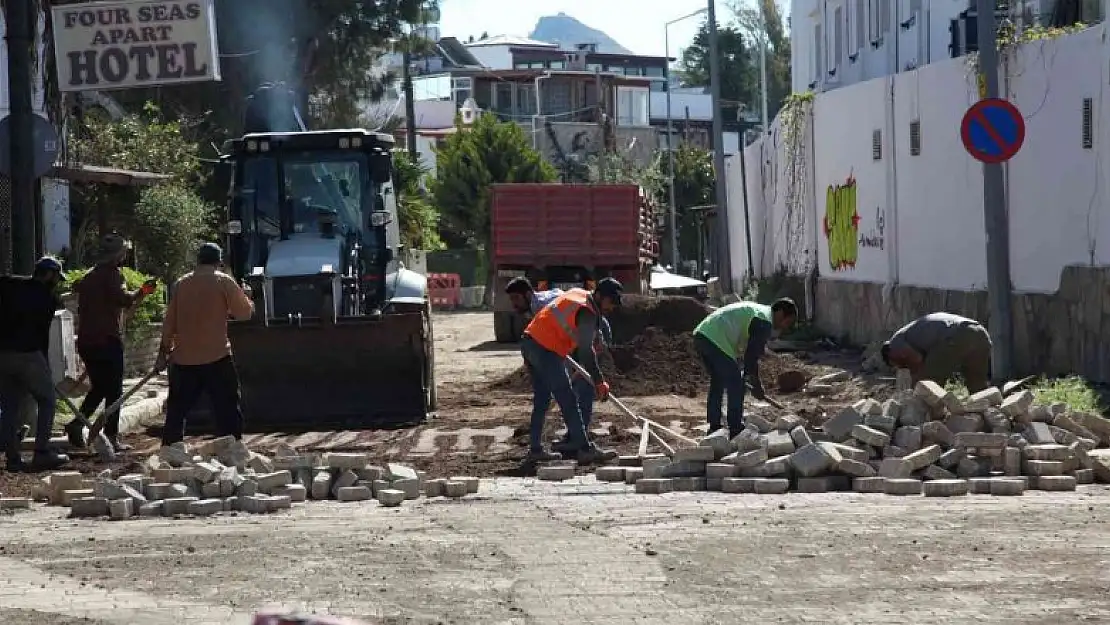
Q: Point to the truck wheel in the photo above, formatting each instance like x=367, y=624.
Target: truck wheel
x=504, y=327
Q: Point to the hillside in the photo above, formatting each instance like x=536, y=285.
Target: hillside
x=568, y=32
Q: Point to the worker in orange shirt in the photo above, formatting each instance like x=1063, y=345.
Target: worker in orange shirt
x=568, y=327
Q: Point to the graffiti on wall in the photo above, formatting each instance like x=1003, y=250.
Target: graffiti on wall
x=875, y=235
x=841, y=225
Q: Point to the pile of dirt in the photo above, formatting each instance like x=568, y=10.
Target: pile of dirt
x=672, y=315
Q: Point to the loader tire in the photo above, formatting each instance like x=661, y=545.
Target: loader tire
x=505, y=328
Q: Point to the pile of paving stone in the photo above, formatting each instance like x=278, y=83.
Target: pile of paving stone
x=926, y=442
x=224, y=476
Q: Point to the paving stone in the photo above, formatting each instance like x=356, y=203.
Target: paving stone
x=1011, y=461
x=211, y=489
x=653, y=467
x=902, y=487
x=980, y=440
x=1043, y=468
x=891, y=451
x=453, y=489
x=370, y=473
x=686, y=468
x=882, y=422
x=15, y=503
x=870, y=436
x=354, y=493
x=396, y=472
x=176, y=457
x=205, y=507
x=787, y=423
x=88, y=507
x=633, y=461
x=472, y=483
x=68, y=496
x=980, y=485
x=205, y=472
x=352, y=461
x=268, y=482
x=997, y=422
x=719, y=470
x=839, y=427
x=946, y=488
x=655, y=486
x=120, y=509
x=719, y=442
x=633, y=474
x=1001, y=487
x=937, y=432
x=278, y=502
x=963, y=423
x=1051, y=451
x=923, y=457
x=391, y=497
x=434, y=488
x=748, y=459
x=800, y=437
x=914, y=412
x=321, y=484
x=177, y=505
x=713, y=483
x=826, y=484
x=297, y=493
x=869, y=485
x=610, y=474
x=738, y=484
x=847, y=451
x=907, y=437
x=688, y=484
x=555, y=473
x=814, y=459
x=934, y=472
x=153, y=508
x=759, y=423
x=1081, y=475
x=1054, y=482
x=930, y=392
x=1017, y=404
x=1039, y=434
x=774, y=467
x=748, y=439
x=695, y=454
x=895, y=468
x=779, y=444
x=771, y=486
x=855, y=468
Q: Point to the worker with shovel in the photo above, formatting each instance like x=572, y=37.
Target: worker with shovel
x=565, y=327
x=197, y=349
x=938, y=346
x=27, y=307
x=101, y=300
x=722, y=337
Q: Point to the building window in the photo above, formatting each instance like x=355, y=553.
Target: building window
x=818, y=53
x=463, y=89
x=861, y=24
x=884, y=17
x=632, y=106
x=658, y=86
x=503, y=98
x=655, y=72
x=526, y=100
x=593, y=67
x=838, y=39
x=558, y=64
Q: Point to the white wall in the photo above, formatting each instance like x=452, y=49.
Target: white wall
x=493, y=57
x=38, y=96
x=55, y=213
x=931, y=203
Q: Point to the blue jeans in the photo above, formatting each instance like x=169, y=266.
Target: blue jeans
x=550, y=378
x=725, y=375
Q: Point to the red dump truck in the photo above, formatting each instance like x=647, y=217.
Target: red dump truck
x=565, y=236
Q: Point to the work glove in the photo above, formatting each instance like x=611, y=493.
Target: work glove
x=757, y=389
x=602, y=391
x=163, y=360
x=149, y=287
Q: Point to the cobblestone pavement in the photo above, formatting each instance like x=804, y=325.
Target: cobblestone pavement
x=525, y=552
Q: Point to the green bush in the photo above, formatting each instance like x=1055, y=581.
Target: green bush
x=151, y=310
x=170, y=221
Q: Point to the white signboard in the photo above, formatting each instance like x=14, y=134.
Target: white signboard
x=131, y=44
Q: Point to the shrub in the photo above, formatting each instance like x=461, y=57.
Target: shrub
x=170, y=221
x=151, y=310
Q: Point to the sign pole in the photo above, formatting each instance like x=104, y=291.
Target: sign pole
x=18, y=16
x=722, y=257
x=995, y=211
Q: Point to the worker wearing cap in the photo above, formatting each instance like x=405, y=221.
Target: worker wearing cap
x=732, y=332
x=940, y=345
x=101, y=300
x=196, y=346
x=567, y=327
x=27, y=307
x=527, y=302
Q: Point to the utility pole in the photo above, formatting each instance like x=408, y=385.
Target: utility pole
x=995, y=211
x=20, y=240
x=410, y=103
x=723, y=260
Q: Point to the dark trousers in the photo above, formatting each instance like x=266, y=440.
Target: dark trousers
x=105, y=366
x=725, y=376
x=187, y=382
x=22, y=373
x=550, y=378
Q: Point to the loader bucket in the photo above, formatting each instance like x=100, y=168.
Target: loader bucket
x=358, y=373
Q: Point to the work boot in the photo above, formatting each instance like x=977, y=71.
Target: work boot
x=48, y=460
x=76, y=431
x=15, y=464
x=542, y=455
x=593, y=454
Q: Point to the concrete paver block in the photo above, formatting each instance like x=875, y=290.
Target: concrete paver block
x=979, y=485
x=15, y=503
x=352, y=461
x=847, y=451
x=1001, y=487
x=88, y=507
x=855, y=468
x=688, y=484
x=1043, y=468
x=902, y=487
x=687, y=468
x=1050, y=451
x=1011, y=461
x=655, y=486
x=930, y=392
x=738, y=485
x=472, y=483
x=205, y=507
x=410, y=487
x=609, y=474
x=68, y=496
x=370, y=473
x=1017, y=404
x=894, y=468
x=269, y=481
x=343, y=479
x=633, y=474
x=946, y=488
x=788, y=422
x=882, y=422
x=923, y=457
x=937, y=432
x=177, y=505
x=1082, y=477
x=720, y=470
x=772, y=486
x=914, y=412
x=653, y=467
x=800, y=437
x=354, y=493
x=434, y=488
x=813, y=460
x=555, y=473
x=870, y=436
x=321, y=484
x=972, y=466
x=453, y=489
x=695, y=454
x=748, y=459
x=960, y=423
x=1038, y=433
x=629, y=461
x=1054, y=482
x=826, y=484
x=391, y=497
x=869, y=485
x=951, y=458
x=981, y=440
x=839, y=427
x=400, y=472
x=907, y=437
x=297, y=493
x=934, y=472
x=759, y=423
x=748, y=439
x=719, y=442
x=773, y=467
x=779, y=443
x=153, y=508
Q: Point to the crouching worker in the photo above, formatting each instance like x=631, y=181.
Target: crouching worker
x=721, y=338
x=940, y=345
x=568, y=327
x=196, y=347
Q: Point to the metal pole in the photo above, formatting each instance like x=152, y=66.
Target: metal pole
x=19, y=40
x=995, y=214
x=670, y=149
x=747, y=213
x=410, y=104
x=724, y=264
x=762, y=86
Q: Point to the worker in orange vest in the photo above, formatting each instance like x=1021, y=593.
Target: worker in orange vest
x=567, y=327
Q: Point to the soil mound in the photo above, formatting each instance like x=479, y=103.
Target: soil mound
x=672, y=315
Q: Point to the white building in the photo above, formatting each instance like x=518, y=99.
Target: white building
x=841, y=42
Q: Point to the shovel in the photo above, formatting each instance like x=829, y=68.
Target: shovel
x=72, y=389
x=100, y=442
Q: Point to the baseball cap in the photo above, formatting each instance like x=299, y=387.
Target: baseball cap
x=210, y=254
x=49, y=263
x=611, y=288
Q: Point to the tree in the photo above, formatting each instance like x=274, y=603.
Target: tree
x=694, y=186
x=474, y=157
x=761, y=21
x=739, y=77
x=419, y=220
x=165, y=223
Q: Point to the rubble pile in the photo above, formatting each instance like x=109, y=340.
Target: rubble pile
x=224, y=476
x=926, y=442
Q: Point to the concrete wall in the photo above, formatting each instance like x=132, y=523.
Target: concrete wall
x=638, y=143
x=891, y=235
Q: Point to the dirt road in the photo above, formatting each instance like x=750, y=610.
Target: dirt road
x=526, y=552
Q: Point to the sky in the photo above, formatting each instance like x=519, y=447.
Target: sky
x=630, y=22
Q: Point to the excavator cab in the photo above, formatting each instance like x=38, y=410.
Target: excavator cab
x=341, y=336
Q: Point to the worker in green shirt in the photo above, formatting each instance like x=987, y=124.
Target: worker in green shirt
x=721, y=338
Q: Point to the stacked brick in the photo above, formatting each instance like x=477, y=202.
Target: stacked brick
x=224, y=476
x=928, y=442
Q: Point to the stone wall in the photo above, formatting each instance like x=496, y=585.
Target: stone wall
x=1067, y=332
x=139, y=353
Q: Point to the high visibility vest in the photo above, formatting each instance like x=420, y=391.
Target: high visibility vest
x=727, y=327
x=555, y=326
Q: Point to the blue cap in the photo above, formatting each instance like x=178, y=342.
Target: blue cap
x=49, y=263
x=210, y=254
